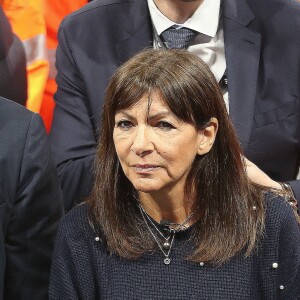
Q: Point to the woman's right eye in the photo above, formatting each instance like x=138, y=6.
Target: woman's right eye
x=124, y=124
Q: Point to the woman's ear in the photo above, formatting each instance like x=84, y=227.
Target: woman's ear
x=207, y=136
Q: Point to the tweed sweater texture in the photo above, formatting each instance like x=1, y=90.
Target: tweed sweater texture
x=82, y=268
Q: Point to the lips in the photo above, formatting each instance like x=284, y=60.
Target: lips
x=145, y=168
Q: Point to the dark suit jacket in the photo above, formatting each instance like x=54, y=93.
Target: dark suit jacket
x=30, y=204
x=262, y=48
x=13, y=80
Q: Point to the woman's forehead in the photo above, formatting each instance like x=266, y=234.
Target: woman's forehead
x=148, y=104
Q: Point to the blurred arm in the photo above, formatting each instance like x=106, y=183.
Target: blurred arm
x=72, y=133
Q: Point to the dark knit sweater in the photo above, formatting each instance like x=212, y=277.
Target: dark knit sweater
x=83, y=269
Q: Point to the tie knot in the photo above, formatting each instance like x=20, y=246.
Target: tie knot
x=178, y=37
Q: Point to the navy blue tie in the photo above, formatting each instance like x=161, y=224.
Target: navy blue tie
x=178, y=37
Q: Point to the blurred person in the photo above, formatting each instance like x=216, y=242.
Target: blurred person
x=36, y=22
x=172, y=214
x=13, y=80
x=28, y=23
x=248, y=44
x=30, y=204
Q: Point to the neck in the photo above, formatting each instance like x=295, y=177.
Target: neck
x=178, y=11
x=165, y=207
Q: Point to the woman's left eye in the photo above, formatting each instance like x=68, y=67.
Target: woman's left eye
x=165, y=125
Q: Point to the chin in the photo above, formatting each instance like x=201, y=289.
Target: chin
x=146, y=187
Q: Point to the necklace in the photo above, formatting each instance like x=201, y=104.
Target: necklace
x=168, y=240
x=167, y=246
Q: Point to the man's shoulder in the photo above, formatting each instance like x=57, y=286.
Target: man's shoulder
x=98, y=5
x=8, y=107
x=13, y=114
x=105, y=16
x=287, y=9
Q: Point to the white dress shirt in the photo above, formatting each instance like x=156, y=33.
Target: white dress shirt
x=209, y=42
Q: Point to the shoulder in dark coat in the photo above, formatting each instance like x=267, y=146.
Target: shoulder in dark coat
x=30, y=204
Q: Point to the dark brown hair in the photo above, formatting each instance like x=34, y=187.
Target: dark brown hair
x=228, y=224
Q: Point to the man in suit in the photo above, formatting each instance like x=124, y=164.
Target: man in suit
x=30, y=204
x=13, y=80
x=254, y=43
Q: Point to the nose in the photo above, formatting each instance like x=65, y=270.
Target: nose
x=142, y=143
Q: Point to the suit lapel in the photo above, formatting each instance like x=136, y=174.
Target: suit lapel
x=138, y=32
x=242, y=51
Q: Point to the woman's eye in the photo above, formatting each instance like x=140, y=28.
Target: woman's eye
x=124, y=124
x=165, y=125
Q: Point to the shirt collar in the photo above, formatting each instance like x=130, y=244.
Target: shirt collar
x=208, y=12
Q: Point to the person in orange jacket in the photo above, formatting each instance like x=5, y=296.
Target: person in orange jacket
x=28, y=23
x=36, y=23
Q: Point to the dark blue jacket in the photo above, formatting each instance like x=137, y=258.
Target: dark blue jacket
x=30, y=204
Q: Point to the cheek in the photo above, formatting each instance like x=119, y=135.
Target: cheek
x=122, y=156
x=181, y=157
x=120, y=146
x=118, y=149
x=123, y=152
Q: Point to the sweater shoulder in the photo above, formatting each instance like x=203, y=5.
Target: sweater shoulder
x=282, y=232
x=75, y=225
x=281, y=246
x=278, y=211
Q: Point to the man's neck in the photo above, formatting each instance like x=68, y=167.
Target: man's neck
x=178, y=11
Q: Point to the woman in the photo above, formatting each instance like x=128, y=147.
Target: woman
x=172, y=214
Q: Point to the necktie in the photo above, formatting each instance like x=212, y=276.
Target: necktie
x=178, y=38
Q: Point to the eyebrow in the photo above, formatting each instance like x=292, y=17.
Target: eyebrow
x=125, y=114
x=160, y=114
x=150, y=117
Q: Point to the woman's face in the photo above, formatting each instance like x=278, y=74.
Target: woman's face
x=156, y=150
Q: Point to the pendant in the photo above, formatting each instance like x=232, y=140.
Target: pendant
x=166, y=245
x=167, y=261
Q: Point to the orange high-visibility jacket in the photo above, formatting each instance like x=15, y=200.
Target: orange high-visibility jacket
x=28, y=23
x=55, y=11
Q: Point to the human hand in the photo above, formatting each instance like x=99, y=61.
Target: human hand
x=256, y=175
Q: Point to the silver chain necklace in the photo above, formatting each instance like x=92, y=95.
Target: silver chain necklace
x=167, y=246
x=168, y=241
x=152, y=223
